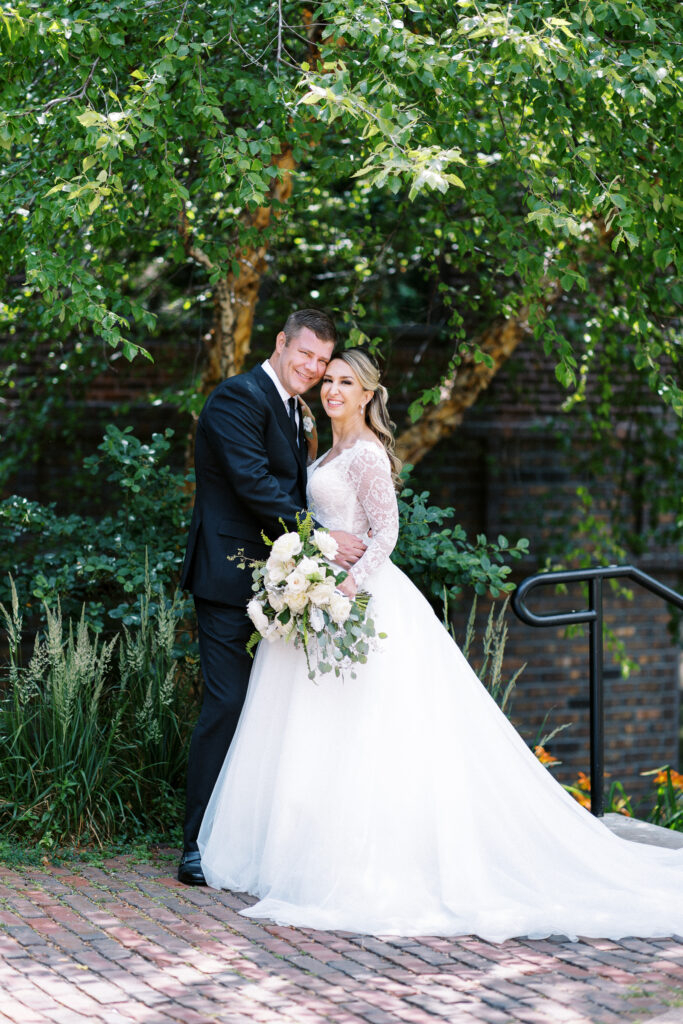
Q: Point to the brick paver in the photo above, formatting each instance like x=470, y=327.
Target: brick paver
x=124, y=943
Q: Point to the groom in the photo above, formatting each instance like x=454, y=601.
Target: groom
x=250, y=462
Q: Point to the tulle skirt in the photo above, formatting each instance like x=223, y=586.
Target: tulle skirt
x=402, y=802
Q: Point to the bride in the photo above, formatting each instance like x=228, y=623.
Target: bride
x=402, y=802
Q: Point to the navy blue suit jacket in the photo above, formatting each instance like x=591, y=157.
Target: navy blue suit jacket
x=250, y=473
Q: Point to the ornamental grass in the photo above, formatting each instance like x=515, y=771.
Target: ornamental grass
x=93, y=733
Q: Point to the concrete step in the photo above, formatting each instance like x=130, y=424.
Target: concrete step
x=643, y=832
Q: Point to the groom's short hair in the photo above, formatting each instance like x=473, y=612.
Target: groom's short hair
x=320, y=323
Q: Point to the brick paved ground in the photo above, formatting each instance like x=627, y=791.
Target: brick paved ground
x=124, y=942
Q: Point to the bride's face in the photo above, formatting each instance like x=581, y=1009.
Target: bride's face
x=341, y=393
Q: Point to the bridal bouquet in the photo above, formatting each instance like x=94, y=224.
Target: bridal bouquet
x=296, y=599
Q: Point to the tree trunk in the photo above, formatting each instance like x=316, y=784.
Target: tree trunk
x=235, y=295
x=464, y=387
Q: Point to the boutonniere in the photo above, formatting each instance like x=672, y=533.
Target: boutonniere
x=310, y=433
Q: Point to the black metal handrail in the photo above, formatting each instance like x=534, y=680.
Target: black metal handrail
x=593, y=616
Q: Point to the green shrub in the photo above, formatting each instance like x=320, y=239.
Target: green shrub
x=98, y=563
x=440, y=559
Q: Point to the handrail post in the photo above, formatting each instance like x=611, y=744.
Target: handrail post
x=597, y=719
x=593, y=617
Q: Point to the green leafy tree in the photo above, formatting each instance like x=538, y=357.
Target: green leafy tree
x=520, y=162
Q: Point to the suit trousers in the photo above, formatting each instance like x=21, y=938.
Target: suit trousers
x=223, y=633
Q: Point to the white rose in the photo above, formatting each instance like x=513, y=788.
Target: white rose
x=277, y=571
x=326, y=544
x=308, y=425
x=321, y=593
x=285, y=547
x=296, y=582
x=310, y=567
x=258, y=616
x=276, y=600
x=296, y=602
x=340, y=608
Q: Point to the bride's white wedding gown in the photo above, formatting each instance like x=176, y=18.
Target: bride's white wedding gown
x=402, y=801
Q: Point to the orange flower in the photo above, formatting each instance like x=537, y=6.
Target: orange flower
x=676, y=778
x=581, y=790
x=582, y=798
x=544, y=757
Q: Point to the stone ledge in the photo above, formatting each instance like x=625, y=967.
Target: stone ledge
x=643, y=832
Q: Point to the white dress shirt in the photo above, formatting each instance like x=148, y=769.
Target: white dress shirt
x=281, y=389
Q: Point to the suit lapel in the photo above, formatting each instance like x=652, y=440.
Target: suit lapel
x=281, y=414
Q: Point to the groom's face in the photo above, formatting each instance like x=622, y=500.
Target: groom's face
x=301, y=363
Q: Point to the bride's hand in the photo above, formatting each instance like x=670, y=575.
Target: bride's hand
x=311, y=435
x=348, y=587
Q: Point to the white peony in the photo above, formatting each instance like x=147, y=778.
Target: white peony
x=296, y=582
x=258, y=616
x=339, y=608
x=321, y=593
x=326, y=544
x=310, y=567
x=285, y=547
x=277, y=570
x=296, y=601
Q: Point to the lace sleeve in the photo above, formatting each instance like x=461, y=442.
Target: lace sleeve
x=369, y=473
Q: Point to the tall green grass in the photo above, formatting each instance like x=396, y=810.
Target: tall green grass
x=93, y=734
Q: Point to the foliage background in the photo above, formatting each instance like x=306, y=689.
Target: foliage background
x=468, y=187
x=506, y=174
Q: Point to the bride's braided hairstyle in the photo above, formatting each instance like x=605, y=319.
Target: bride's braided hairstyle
x=376, y=411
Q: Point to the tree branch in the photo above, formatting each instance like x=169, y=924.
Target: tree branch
x=191, y=249
x=182, y=16
x=279, y=32
x=72, y=95
x=463, y=387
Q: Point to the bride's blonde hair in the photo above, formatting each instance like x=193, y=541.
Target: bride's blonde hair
x=376, y=411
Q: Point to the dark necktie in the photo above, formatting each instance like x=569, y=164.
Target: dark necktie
x=291, y=402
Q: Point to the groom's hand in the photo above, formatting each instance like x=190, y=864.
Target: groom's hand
x=349, y=548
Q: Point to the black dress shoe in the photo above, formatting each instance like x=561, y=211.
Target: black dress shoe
x=190, y=869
